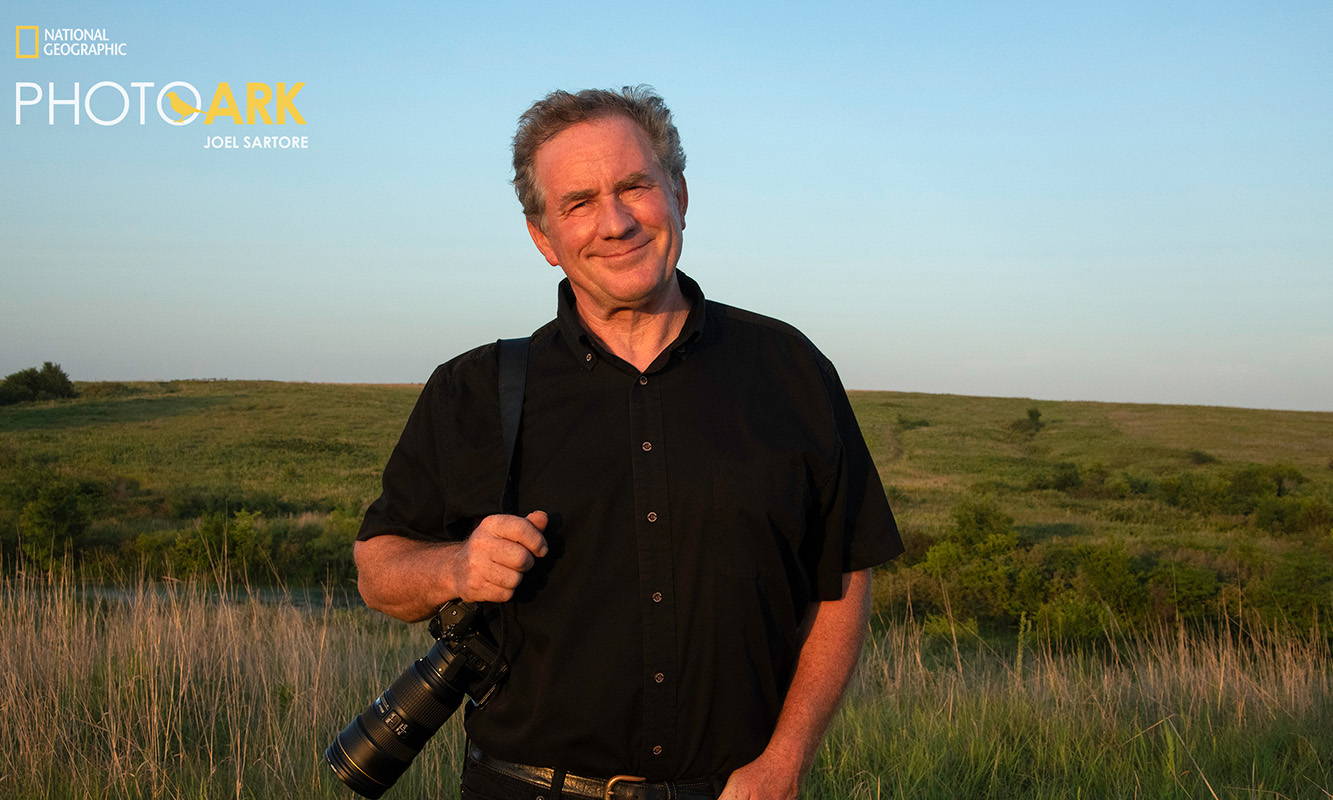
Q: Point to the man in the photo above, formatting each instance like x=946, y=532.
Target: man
x=686, y=583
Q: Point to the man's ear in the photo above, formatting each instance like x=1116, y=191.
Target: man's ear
x=682, y=200
x=543, y=244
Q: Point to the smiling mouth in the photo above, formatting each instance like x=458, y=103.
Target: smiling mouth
x=628, y=252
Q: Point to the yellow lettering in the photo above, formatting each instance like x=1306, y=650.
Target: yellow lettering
x=223, y=105
x=284, y=103
x=257, y=96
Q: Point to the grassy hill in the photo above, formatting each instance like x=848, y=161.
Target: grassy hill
x=1012, y=509
x=1078, y=516
x=1058, y=528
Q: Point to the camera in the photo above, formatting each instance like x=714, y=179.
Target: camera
x=372, y=752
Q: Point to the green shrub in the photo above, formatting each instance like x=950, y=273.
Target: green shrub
x=1107, y=575
x=312, y=550
x=48, y=383
x=1029, y=425
x=1071, y=616
x=1065, y=477
x=915, y=545
x=977, y=519
x=1092, y=481
x=1197, y=492
x=1183, y=591
x=53, y=520
x=1132, y=482
x=1316, y=515
x=1296, y=593
x=1294, y=514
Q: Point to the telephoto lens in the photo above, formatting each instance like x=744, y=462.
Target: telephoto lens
x=372, y=752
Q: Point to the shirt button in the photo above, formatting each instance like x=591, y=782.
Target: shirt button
x=647, y=446
x=657, y=597
x=659, y=677
x=588, y=357
x=652, y=516
x=657, y=749
x=643, y=380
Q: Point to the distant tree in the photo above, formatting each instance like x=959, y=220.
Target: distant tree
x=1030, y=424
x=48, y=383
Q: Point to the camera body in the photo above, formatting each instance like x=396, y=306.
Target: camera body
x=372, y=752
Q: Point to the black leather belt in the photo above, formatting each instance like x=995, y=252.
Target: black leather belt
x=618, y=787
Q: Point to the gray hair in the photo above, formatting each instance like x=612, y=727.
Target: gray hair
x=560, y=110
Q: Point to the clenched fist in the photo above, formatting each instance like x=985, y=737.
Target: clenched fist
x=490, y=564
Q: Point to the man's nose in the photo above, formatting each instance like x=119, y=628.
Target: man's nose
x=617, y=220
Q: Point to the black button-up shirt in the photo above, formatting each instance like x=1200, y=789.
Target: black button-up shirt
x=696, y=509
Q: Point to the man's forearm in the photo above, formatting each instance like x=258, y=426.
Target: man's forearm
x=834, y=633
x=404, y=578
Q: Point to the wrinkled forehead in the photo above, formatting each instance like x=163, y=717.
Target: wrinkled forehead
x=602, y=148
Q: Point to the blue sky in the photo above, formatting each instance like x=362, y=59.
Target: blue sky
x=1117, y=202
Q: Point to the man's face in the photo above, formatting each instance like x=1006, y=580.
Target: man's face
x=613, y=218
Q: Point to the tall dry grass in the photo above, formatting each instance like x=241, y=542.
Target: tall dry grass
x=176, y=691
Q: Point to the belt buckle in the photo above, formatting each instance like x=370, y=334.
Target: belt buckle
x=611, y=784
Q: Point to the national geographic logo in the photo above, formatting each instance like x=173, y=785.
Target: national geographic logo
x=19, y=31
x=175, y=103
x=30, y=43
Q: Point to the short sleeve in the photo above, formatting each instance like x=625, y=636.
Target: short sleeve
x=412, y=500
x=859, y=527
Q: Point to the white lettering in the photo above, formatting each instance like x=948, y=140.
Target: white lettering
x=75, y=34
x=276, y=142
x=88, y=103
x=178, y=103
x=52, y=102
x=19, y=102
x=142, y=106
x=83, y=49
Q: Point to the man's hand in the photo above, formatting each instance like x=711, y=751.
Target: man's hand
x=490, y=564
x=832, y=635
x=411, y=579
x=760, y=780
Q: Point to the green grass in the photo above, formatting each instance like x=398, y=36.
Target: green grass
x=324, y=444
x=307, y=444
x=153, y=474
x=1248, y=715
x=968, y=443
x=1127, y=520
x=1168, y=487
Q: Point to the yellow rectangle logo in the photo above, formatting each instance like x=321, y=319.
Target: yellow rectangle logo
x=18, y=40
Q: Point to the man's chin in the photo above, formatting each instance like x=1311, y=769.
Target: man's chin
x=631, y=291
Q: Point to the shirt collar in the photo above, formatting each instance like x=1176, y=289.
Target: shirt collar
x=589, y=352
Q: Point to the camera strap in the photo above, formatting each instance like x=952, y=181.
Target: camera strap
x=513, y=378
